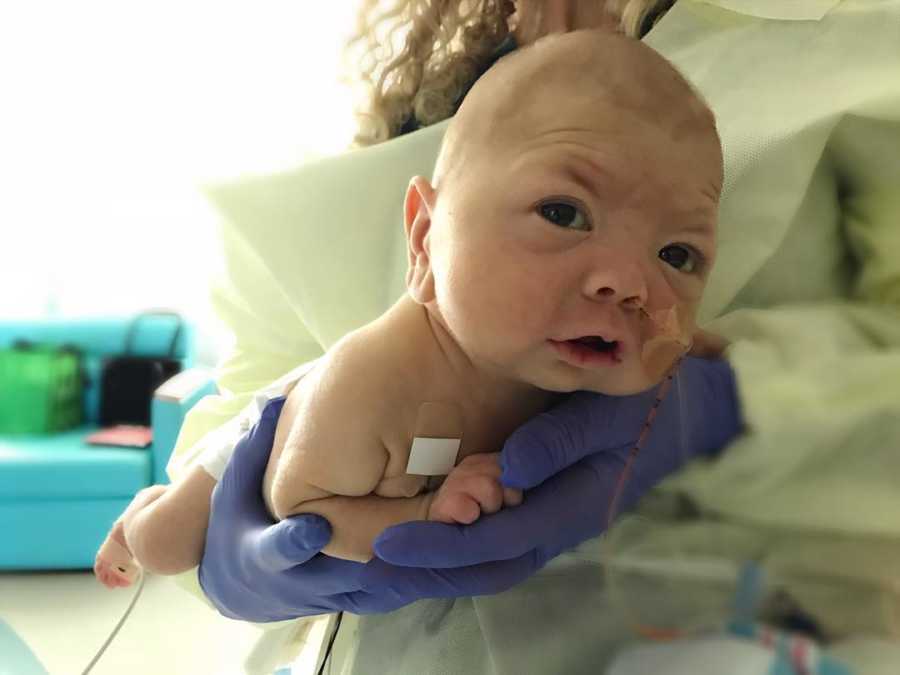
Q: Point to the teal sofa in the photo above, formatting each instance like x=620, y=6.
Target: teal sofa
x=58, y=495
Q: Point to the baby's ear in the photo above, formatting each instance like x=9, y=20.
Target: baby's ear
x=417, y=211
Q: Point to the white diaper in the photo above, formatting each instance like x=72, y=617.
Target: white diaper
x=218, y=445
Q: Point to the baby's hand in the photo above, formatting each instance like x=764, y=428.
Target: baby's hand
x=472, y=488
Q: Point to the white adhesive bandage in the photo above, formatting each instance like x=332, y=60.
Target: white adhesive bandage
x=438, y=436
x=433, y=456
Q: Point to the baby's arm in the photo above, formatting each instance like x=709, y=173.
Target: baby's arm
x=333, y=460
x=472, y=488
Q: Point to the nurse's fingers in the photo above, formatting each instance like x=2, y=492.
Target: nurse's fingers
x=321, y=575
x=290, y=542
x=406, y=585
x=440, y=545
x=560, y=513
x=583, y=424
x=708, y=345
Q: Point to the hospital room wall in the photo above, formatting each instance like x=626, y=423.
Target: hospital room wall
x=116, y=114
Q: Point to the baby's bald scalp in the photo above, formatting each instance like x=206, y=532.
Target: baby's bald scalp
x=555, y=69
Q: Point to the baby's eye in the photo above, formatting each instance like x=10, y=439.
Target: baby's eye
x=564, y=215
x=682, y=258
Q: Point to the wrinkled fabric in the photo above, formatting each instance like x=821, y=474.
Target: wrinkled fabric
x=806, y=286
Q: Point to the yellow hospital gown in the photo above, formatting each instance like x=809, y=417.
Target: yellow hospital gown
x=807, y=287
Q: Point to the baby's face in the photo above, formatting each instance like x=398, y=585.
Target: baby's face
x=574, y=256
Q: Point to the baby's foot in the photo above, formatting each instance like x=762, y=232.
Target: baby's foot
x=114, y=565
x=472, y=488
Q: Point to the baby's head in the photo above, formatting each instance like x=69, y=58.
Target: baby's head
x=568, y=233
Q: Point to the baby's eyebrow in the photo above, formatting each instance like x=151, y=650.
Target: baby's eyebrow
x=698, y=221
x=592, y=176
x=585, y=173
x=699, y=227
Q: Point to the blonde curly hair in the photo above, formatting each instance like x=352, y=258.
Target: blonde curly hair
x=446, y=45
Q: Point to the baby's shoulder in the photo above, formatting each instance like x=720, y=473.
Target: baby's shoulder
x=365, y=373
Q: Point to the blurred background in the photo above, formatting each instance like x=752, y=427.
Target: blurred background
x=116, y=113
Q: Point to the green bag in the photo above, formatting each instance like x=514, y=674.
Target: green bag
x=40, y=389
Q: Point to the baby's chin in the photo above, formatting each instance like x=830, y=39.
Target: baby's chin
x=633, y=383
x=634, y=376
x=617, y=381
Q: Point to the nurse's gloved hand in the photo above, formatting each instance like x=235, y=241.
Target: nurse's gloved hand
x=255, y=569
x=258, y=570
x=569, y=460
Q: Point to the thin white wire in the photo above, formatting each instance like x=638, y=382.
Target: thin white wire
x=119, y=625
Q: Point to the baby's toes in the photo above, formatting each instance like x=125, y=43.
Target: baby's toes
x=114, y=561
x=122, y=581
x=104, y=575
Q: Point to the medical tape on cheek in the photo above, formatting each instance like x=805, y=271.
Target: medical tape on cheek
x=666, y=335
x=436, y=439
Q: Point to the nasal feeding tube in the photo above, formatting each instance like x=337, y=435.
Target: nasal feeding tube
x=666, y=338
x=666, y=335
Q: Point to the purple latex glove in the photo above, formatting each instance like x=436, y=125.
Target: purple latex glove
x=258, y=570
x=569, y=461
x=255, y=569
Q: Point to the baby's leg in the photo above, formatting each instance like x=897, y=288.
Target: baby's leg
x=164, y=528
x=167, y=535
x=473, y=487
x=114, y=565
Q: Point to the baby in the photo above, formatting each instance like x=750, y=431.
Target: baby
x=564, y=243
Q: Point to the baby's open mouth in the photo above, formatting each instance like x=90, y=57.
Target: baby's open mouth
x=590, y=351
x=597, y=344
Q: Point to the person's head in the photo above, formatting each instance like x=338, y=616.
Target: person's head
x=417, y=58
x=574, y=200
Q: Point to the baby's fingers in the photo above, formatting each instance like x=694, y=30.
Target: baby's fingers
x=457, y=508
x=512, y=497
x=485, y=490
x=482, y=463
x=479, y=476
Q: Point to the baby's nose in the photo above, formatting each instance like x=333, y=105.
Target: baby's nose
x=618, y=280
